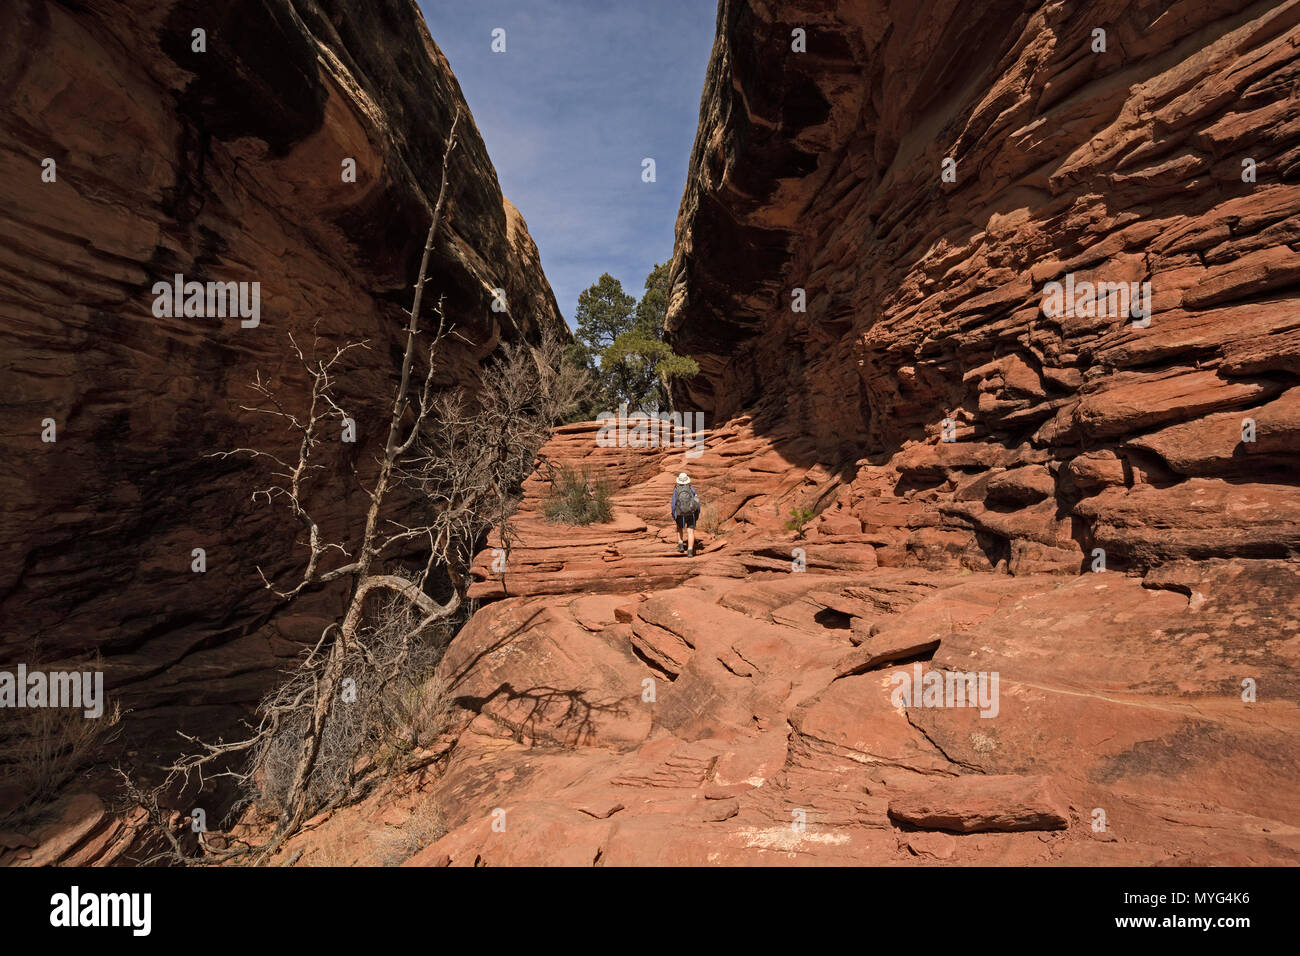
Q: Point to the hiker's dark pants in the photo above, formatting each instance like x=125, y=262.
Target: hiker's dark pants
x=684, y=522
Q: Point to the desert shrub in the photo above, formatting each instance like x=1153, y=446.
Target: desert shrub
x=574, y=498
x=710, y=520
x=392, y=700
x=400, y=843
x=42, y=748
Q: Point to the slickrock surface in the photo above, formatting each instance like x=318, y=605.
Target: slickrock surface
x=820, y=171
x=628, y=705
x=224, y=165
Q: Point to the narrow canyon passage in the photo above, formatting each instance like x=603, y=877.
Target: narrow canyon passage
x=990, y=314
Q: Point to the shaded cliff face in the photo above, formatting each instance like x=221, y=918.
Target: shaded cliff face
x=823, y=171
x=221, y=165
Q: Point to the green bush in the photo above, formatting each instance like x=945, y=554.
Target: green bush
x=798, y=518
x=575, y=498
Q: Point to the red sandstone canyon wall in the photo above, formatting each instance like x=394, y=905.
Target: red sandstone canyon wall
x=1170, y=158
x=221, y=165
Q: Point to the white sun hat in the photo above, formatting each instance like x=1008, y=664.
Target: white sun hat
x=683, y=479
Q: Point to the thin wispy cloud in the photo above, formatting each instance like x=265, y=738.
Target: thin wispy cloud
x=584, y=92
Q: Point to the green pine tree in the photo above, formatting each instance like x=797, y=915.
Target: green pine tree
x=635, y=364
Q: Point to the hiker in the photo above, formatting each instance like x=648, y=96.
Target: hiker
x=686, y=508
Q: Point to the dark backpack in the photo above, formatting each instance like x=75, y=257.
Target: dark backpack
x=684, y=501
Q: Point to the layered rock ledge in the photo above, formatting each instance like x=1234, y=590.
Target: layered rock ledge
x=1087, y=143
x=620, y=703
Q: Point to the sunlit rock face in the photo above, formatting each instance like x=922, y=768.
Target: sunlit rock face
x=615, y=702
x=1150, y=147
x=225, y=164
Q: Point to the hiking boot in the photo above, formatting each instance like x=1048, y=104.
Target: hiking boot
x=690, y=553
x=681, y=547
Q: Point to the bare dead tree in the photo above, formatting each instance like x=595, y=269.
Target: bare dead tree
x=466, y=454
x=310, y=697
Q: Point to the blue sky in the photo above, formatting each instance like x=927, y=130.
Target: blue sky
x=585, y=90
